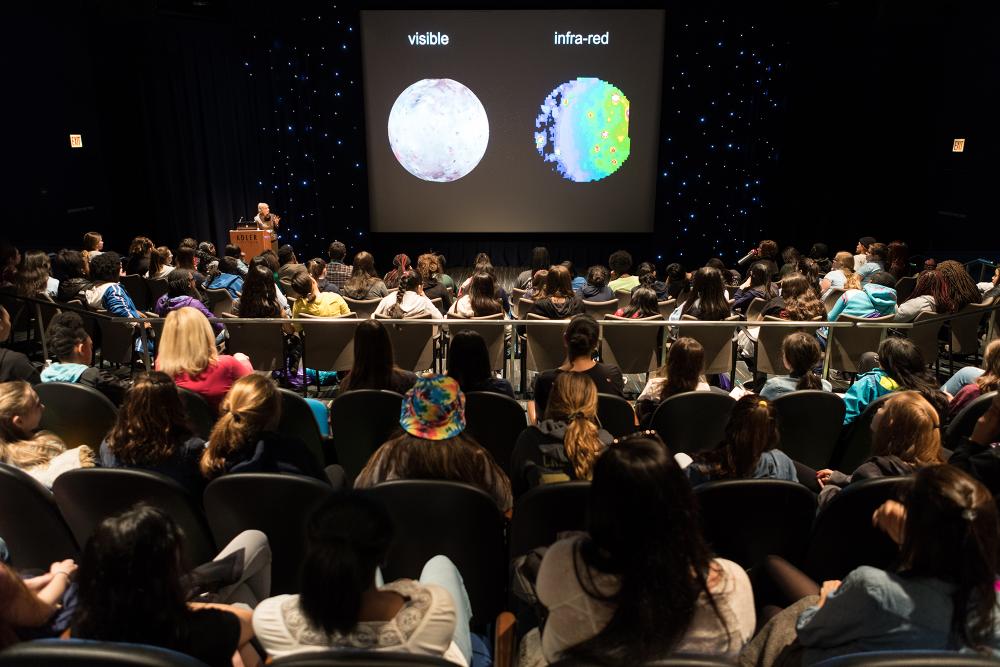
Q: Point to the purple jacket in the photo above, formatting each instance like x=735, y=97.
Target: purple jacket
x=166, y=304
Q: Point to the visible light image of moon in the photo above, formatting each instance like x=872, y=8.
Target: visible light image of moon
x=582, y=129
x=438, y=130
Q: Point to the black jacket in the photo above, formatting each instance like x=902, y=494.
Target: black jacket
x=980, y=461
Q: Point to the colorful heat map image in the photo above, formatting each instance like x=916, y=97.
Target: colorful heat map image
x=438, y=130
x=582, y=129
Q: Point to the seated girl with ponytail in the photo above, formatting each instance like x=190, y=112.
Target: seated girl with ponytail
x=749, y=449
x=408, y=300
x=801, y=353
x=564, y=445
x=345, y=605
x=244, y=439
x=313, y=302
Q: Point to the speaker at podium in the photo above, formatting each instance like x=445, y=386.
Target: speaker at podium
x=254, y=241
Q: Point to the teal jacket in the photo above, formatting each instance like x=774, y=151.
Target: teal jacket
x=870, y=301
x=866, y=389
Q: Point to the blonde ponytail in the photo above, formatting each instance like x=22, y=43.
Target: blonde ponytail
x=582, y=445
x=574, y=399
x=252, y=405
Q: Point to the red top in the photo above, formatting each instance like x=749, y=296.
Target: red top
x=965, y=395
x=214, y=382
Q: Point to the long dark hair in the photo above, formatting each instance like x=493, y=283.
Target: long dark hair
x=643, y=528
x=409, y=281
x=951, y=533
x=347, y=537
x=931, y=283
x=558, y=282
x=363, y=276
x=468, y=359
x=901, y=360
x=802, y=352
x=685, y=365
x=643, y=302
x=259, y=297
x=582, y=335
x=961, y=286
x=708, y=290
x=539, y=259
x=373, y=366
x=482, y=295
x=130, y=587
x=760, y=276
x=751, y=431
x=152, y=422
x=32, y=275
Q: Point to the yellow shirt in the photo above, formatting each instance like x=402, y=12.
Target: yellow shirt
x=326, y=304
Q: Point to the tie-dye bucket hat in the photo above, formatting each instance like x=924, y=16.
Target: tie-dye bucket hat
x=434, y=409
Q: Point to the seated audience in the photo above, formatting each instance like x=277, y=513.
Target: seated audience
x=820, y=253
x=363, y=283
x=539, y=261
x=647, y=278
x=596, y=287
x=236, y=253
x=801, y=354
x=798, y=301
x=960, y=285
x=206, y=255
x=684, y=371
x=226, y=276
x=105, y=269
x=480, y=299
x=160, y=263
x=288, y=269
x=14, y=365
x=34, y=605
x=72, y=272
x=483, y=264
x=339, y=273
x=729, y=278
x=641, y=584
x=810, y=270
x=10, y=258
x=434, y=445
x=841, y=269
x=749, y=449
x=941, y=597
x=622, y=280
x=400, y=265
x=408, y=300
x=469, y=365
x=317, y=268
x=985, y=383
x=444, y=278
x=581, y=338
x=187, y=353
x=185, y=258
x=642, y=304
x=678, y=281
x=373, y=366
x=33, y=277
x=876, y=262
x=708, y=298
x=72, y=352
x=261, y=296
x=576, y=281
x=428, y=268
x=557, y=301
x=137, y=262
x=152, y=432
x=313, y=302
x=93, y=245
x=245, y=438
x=929, y=296
x=43, y=455
x=182, y=292
x=979, y=454
x=132, y=587
x=906, y=435
x=861, y=252
x=536, y=289
x=899, y=364
x=757, y=286
x=564, y=445
x=897, y=260
x=344, y=605
x=877, y=298
x=790, y=257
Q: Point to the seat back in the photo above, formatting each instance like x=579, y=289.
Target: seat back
x=693, y=421
x=545, y=348
x=199, y=412
x=904, y=288
x=846, y=345
x=965, y=328
x=89, y=495
x=516, y=293
x=328, y=347
x=117, y=339
x=624, y=297
x=809, y=424
x=86, y=653
x=745, y=520
x=925, y=336
x=495, y=421
x=854, y=446
x=157, y=287
x=360, y=422
x=277, y=505
x=909, y=659
x=632, y=349
x=298, y=420
x=455, y=520
x=264, y=343
x=830, y=300
x=666, y=307
x=31, y=524
x=769, y=341
x=615, y=414
x=352, y=658
x=412, y=342
x=843, y=536
x=78, y=414
x=544, y=512
x=493, y=334
x=522, y=306
x=218, y=300
x=598, y=309
x=363, y=307
x=138, y=291
x=962, y=424
x=717, y=341
x=755, y=309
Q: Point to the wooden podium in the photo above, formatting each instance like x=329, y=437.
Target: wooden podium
x=254, y=241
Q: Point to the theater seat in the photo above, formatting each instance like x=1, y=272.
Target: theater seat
x=335, y=658
x=78, y=414
x=30, y=522
x=908, y=659
x=495, y=421
x=85, y=653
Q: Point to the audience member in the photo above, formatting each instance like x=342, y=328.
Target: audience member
x=596, y=287
x=317, y=268
x=641, y=584
x=841, y=269
x=337, y=272
x=899, y=364
x=72, y=273
x=43, y=455
x=428, y=268
x=677, y=280
x=373, y=366
x=898, y=259
x=800, y=354
x=878, y=254
x=684, y=371
x=93, y=245
x=434, y=444
x=820, y=253
x=557, y=301
x=132, y=588
x=313, y=302
x=14, y=365
x=643, y=303
x=33, y=277
x=10, y=259
x=344, y=605
x=400, y=266
x=959, y=283
x=647, y=278
x=185, y=258
x=620, y=262
x=861, y=252
x=539, y=261
x=708, y=298
x=226, y=276
x=985, y=383
x=245, y=439
x=480, y=299
x=261, y=296
x=34, y=605
x=757, y=286
x=364, y=283
x=152, y=432
x=581, y=338
x=408, y=300
x=108, y=294
x=234, y=251
x=187, y=353
x=72, y=352
x=929, y=296
x=749, y=449
x=576, y=281
x=160, y=263
x=790, y=257
x=469, y=364
x=877, y=298
x=444, y=278
x=137, y=262
x=536, y=290
x=798, y=301
x=564, y=445
x=183, y=293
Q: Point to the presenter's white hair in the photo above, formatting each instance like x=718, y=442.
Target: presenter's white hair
x=261, y=205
